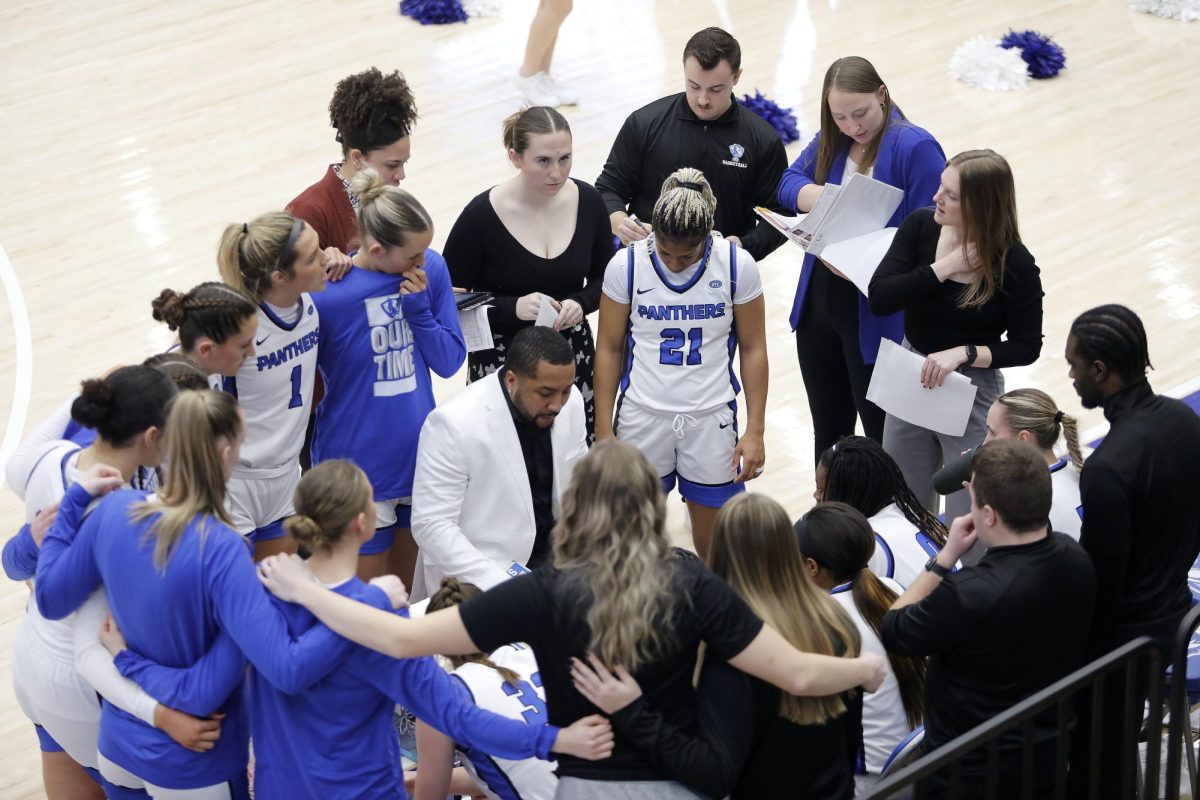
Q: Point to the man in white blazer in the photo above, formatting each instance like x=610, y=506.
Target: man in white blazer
x=492, y=464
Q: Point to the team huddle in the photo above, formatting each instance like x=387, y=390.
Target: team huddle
x=223, y=543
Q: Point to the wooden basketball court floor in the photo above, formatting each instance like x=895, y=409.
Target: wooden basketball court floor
x=133, y=131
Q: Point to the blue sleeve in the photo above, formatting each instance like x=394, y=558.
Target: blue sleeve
x=200, y=689
x=801, y=173
x=21, y=555
x=66, y=571
x=422, y=687
x=203, y=687
x=244, y=609
x=922, y=173
x=433, y=317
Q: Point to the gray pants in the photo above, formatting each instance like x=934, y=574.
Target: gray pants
x=921, y=452
x=579, y=789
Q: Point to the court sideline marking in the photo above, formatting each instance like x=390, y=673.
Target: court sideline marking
x=23, y=382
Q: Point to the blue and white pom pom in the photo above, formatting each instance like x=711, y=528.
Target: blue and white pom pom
x=781, y=119
x=1180, y=10
x=433, y=12
x=482, y=8
x=981, y=62
x=1043, y=57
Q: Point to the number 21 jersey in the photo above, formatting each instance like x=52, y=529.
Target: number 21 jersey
x=681, y=336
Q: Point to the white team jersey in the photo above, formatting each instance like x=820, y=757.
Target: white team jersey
x=1066, y=511
x=681, y=337
x=884, y=722
x=502, y=778
x=899, y=552
x=274, y=388
x=48, y=480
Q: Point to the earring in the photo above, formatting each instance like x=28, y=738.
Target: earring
x=882, y=107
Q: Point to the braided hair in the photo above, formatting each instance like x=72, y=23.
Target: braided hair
x=1115, y=335
x=454, y=592
x=861, y=474
x=686, y=207
x=213, y=310
x=183, y=371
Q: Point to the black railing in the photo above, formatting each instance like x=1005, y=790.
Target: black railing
x=1179, y=735
x=1125, y=663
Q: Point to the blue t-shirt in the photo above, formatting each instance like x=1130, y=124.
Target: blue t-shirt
x=176, y=617
x=377, y=348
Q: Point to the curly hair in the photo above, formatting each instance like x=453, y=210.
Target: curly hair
x=371, y=110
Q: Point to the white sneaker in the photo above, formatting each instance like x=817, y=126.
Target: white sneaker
x=535, y=90
x=566, y=96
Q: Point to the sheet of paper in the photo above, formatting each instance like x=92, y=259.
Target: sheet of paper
x=820, y=210
x=863, y=205
x=896, y=388
x=788, y=226
x=857, y=258
x=546, y=313
x=477, y=331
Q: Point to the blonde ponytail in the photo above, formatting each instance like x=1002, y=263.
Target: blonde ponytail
x=198, y=424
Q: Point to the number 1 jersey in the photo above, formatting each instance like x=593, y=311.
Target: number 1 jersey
x=681, y=337
x=274, y=388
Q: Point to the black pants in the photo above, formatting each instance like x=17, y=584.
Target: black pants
x=831, y=362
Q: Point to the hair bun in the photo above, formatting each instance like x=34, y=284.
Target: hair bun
x=168, y=308
x=94, y=405
x=367, y=185
x=305, y=530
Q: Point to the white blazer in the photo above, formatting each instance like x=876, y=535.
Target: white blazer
x=472, y=512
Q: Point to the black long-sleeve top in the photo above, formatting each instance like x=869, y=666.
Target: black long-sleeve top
x=905, y=281
x=484, y=257
x=1141, y=521
x=739, y=153
x=744, y=748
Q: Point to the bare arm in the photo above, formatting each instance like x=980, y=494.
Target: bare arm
x=806, y=198
x=772, y=659
x=437, y=763
x=750, y=454
x=610, y=345
x=441, y=632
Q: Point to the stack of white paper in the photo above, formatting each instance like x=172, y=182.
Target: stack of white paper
x=861, y=206
x=896, y=388
x=859, y=257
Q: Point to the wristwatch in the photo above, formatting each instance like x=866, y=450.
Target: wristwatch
x=937, y=569
x=972, y=354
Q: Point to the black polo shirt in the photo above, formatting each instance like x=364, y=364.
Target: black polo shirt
x=996, y=633
x=739, y=153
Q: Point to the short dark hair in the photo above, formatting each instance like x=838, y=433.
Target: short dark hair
x=534, y=345
x=711, y=46
x=1115, y=335
x=1011, y=476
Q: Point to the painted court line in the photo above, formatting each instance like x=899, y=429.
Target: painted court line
x=23, y=379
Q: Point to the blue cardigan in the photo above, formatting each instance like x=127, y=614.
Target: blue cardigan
x=910, y=159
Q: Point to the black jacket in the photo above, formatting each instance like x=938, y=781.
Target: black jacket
x=739, y=153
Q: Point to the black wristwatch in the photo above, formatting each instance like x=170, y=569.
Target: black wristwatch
x=972, y=354
x=937, y=569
